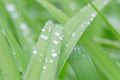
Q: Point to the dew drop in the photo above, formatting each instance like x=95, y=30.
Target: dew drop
x=10, y=7
x=52, y=50
x=61, y=38
x=35, y=52
x=73, y=34
x=23, y=26
x=66, y=45
x=55, y=42
x=54, y=54
x=57, y=34
x=43, y=30
x=44, y=67
x=93, y=15
x=40, y=60
x=14, y=15
x=44, y=37
x=51, y=61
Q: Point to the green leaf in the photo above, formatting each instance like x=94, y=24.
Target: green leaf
x=101, y=59
x=52, y=9
x=22, y=29
x=19, y=55
x=75, y=28
x=82, y=64
x=7, y=63
x=111, y=27
x=44, y=60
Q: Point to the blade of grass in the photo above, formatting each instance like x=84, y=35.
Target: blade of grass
x=52, y=9
x=23, y=31
x=100, y=58
x=82, y=64
x=107, y=42
x=7, y=62
x=20, y=58
x=45, y=55
x=1, y=76
x=52, y=55
x=112, y=28
x=75, y=28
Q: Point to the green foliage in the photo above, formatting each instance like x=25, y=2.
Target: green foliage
x=59, y=40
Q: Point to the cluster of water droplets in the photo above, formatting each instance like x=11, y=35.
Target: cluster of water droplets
x=58, y=37
x=11, y=8
x=77, y=51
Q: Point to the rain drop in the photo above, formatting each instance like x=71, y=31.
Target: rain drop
x=10, y=7
x=54, y=54
x=44, y=37
x=55, y=42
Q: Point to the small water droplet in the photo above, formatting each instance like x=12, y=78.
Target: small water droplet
x=11, y=7
x=44, y=37
x=52, y=50
x=88, y=23
x=93, y=15
x=61, y=38
x=66, y=45
x=23, y=26
x=14, y=15
x=51, y=61
x=54, y=54
x=35, y=52
x=55, y=42
x=44, y=67
x=57, y=34
x=43, y=30
x=73, y=34
x=40, y=60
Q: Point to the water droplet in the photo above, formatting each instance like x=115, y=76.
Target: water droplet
x=40, y=60
x=10, y=7
x=88, y=23
x=54, y=54
x=35, y=52
x=55, y=42
x=44, y=67
x=14, y=15
x=57, y=34
x=51, y=61
x=73, y=34
x=43, y=30
x=44, y=37
x=93, y=15
x=23, y=26
x=61, y=38
x=66, y=45
x=52, y=50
